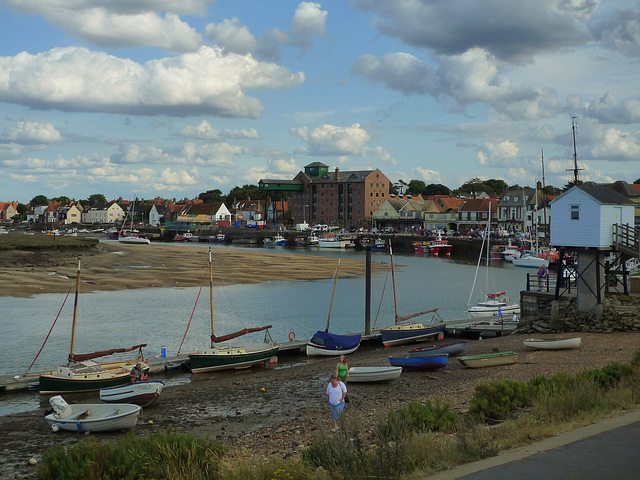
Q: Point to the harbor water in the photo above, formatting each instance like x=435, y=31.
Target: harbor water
x=159, y=317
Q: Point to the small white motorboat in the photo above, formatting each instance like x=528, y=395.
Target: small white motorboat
x=140, y=393
x=373, y=374
x=553, y=343
x=84, y=417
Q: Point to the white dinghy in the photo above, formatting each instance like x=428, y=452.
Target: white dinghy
x=92, y=417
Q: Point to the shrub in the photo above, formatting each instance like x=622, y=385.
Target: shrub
x=160, y=456
x=498, y=400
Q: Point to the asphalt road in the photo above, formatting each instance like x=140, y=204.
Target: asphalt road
x=607, y=450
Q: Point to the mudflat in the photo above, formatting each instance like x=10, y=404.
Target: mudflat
x=113, y=266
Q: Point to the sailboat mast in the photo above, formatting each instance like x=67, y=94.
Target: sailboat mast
x=332, y=295
x=393, y=281
x=544, y=201
x=211, y=289
x=75, y=308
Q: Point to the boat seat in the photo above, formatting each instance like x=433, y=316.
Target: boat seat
x=112, y=413
x=77, y=415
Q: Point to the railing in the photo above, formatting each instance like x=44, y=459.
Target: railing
x=548, y=284
x=626, y=238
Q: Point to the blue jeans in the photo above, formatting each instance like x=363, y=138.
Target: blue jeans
x=337, y=410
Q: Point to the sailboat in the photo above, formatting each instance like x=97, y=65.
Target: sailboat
x=131, y=238
x=531, y=259
x=403, y=333
x=494, y=303
x=227, y=356
x=82, y=373
x=325, y=343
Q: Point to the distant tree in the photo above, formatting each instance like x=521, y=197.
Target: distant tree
x=392, y=189
x=211, y=196
x=477, y=185
x=416, y=187
x=39, y=200
x=96, y=198
x=245, y=192
x=22, y=209
x=637, y=181
x=497, y=186
x=61, y=199
x=437, y=189
x=401, y=187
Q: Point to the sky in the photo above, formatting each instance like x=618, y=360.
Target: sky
x=173, y=98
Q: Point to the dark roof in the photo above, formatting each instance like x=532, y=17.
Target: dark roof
x=605, y=194
x=353, y=176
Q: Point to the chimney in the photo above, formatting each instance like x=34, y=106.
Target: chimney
x=337, y=174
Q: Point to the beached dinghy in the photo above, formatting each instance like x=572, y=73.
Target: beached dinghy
x=139, y=393
x=553, y=343
x=92, y=417
x=373, y=374
x=489, y=359
x=451, y=349
x=426, y=362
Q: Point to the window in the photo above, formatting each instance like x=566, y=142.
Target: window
x=575, y=212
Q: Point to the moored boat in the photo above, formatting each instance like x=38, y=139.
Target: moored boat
x=139, y=393
x=425, y=362
x=230, y=356
x=373, y=374
x=553, y=343
x=494, y=304
x=186, y=237
x=92, y=417
x=489, y=359
x=452, y=349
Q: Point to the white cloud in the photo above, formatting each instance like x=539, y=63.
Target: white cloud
x=28, y=133
x=502, y=154
x=204, y=131
x=398, y=71
x=614, y=144
x=334, y=140
x=381, y=155
x=308, y=22
x=182, y=177
x=118, y=25
x=232, y=36
x=620, y=32
x=608, y=109
x=203, y=82
x=426, y=175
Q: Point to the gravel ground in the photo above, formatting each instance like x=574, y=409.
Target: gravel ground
x=282, y=419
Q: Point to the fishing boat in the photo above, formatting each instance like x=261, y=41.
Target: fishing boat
x=82, y=373
x=489, y=359
x=373, y=374
x=230, y=356
x=494, y=303
x=420, y=247
x=439, y=247
x=331, y=240
x=218, y=238
x=404, y=333
x=186, y=237
x=553, y=343
x=323, y=343
x=139, y=393
x=92, y=417
x=425, y=362
x=452, y=349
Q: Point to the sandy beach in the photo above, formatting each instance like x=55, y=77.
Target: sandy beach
x=113, y=266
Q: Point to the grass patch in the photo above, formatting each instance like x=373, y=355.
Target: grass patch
x=34, y=243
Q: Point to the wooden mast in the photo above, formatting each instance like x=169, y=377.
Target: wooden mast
x=332, y=295
x=211, y=290
x=75, y=309
x=393, y=282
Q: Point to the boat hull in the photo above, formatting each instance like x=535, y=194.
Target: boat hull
x=230, y=358
x=138, y=393
x=426, y=362
x=51, y=384
x=411, y=333
x=373, y=374
x=97, y=418
x=485, y=310
x=553, y=343
x=330, y=344
x=489, y=359
x=451, y=349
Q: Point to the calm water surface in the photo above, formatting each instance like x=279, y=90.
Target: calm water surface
x=159, y=317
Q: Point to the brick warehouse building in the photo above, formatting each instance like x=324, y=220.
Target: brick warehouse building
x=346, y=199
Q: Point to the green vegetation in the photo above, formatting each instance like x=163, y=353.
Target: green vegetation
x=44, y=242
x=411, y=443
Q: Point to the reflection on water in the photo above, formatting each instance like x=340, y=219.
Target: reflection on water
x=159, y=317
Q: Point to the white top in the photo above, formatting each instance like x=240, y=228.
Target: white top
x=335, y=393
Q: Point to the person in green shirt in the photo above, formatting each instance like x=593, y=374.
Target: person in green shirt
x=342, y=370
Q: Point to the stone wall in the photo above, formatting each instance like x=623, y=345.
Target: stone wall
x=618, y=313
